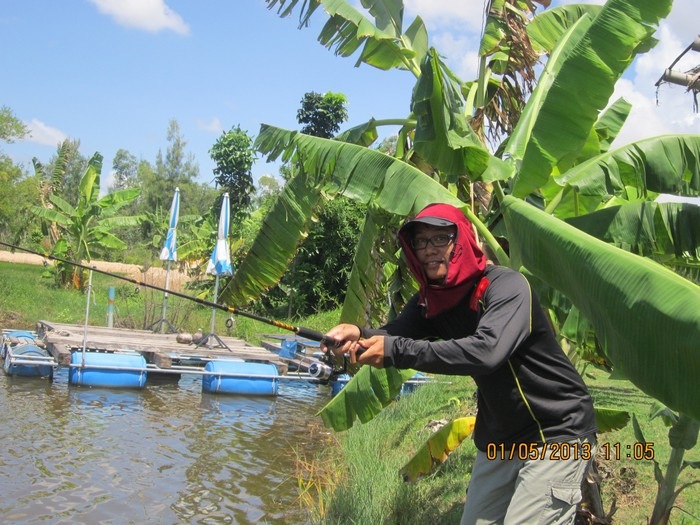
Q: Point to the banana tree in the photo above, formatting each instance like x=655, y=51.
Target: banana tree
x=88, y=225
x=557, y=156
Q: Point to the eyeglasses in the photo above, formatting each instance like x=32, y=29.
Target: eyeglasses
x=420, y=243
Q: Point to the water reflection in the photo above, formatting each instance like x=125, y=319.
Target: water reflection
x=165, y=454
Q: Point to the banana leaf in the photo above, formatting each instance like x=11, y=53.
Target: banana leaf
x=281, y=231
x=578, y=80
x=665, y=164
x=549, y=26
x=364, y=277
x=444, y=137
x=365, y=395
x=609, y=419
x=385, y=47
x=610, y=123
x=438, y=447
x=647, y=228
x=649, y=325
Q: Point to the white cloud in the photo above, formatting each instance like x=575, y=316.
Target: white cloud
x=43, y=134
x=448, y=13
x=149, y=15
x=461, y=53
x=213, y=126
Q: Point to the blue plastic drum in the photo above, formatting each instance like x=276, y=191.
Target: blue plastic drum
x=27, y=369
x=113, y=370
x=339, y=383
x=240, y=377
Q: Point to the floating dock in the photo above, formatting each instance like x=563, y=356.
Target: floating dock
x=162, y=352
x=99, y=356
x=124, y=358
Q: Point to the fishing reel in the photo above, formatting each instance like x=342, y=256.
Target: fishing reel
x=327, y=368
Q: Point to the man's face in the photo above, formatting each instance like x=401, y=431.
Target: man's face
x=434, y=259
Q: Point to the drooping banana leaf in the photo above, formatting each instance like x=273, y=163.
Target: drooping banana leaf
x=576, y=85
x=365, y=175
x=365, y=395
x=438, y=447
x=444, y=137
x=646, y=228
x=281, y=231
x=385, y=47
x=363, y=282
x=665, y=164
x=650, y=322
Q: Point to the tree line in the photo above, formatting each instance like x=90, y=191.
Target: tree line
x=58, y=209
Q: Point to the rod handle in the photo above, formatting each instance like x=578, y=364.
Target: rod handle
x=308, y=333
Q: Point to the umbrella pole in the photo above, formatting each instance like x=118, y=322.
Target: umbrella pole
x=160, y=323
x=165, y=299
x=213, y=310
x=206, y=339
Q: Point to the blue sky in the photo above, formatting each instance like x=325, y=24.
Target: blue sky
x=112, y=73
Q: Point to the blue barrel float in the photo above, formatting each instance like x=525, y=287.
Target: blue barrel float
x=113, y=370
x=20, y=345
x=240, y=377
x=338, y=383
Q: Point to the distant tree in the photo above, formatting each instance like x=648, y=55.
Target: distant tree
x=318, y=276
x=234, y=156
x=125, y=166
x=11, y=128
x=268, y=188
x=322, y=115
x=178, y=167
x=17, y=191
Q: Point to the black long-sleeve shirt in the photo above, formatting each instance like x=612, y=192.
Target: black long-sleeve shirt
x=528, y=389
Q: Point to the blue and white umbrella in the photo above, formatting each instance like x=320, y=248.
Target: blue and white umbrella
x=220, y=260
x=219, y=264
x=169, y=251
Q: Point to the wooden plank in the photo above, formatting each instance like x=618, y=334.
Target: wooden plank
x=158, y=349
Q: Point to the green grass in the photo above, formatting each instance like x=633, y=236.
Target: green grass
x=26, y=297
x=367, y=488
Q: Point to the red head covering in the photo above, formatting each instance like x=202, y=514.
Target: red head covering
x=467, y=261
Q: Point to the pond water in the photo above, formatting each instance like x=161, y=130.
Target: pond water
x=165, y=454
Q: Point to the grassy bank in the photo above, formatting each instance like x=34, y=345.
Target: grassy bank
x=368, y=489
x=26, y=297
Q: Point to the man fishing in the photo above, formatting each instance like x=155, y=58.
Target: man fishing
x=535, y=425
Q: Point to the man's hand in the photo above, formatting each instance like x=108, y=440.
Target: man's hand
x=346, y=335
x=371, y=352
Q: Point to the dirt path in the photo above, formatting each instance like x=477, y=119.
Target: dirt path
x=154, y=275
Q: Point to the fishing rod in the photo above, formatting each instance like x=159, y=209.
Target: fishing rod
x=301, y=331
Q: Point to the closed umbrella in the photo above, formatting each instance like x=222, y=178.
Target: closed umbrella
x=219, y=264
x=169, y=254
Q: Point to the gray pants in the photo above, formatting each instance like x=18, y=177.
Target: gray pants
x=528, y=491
